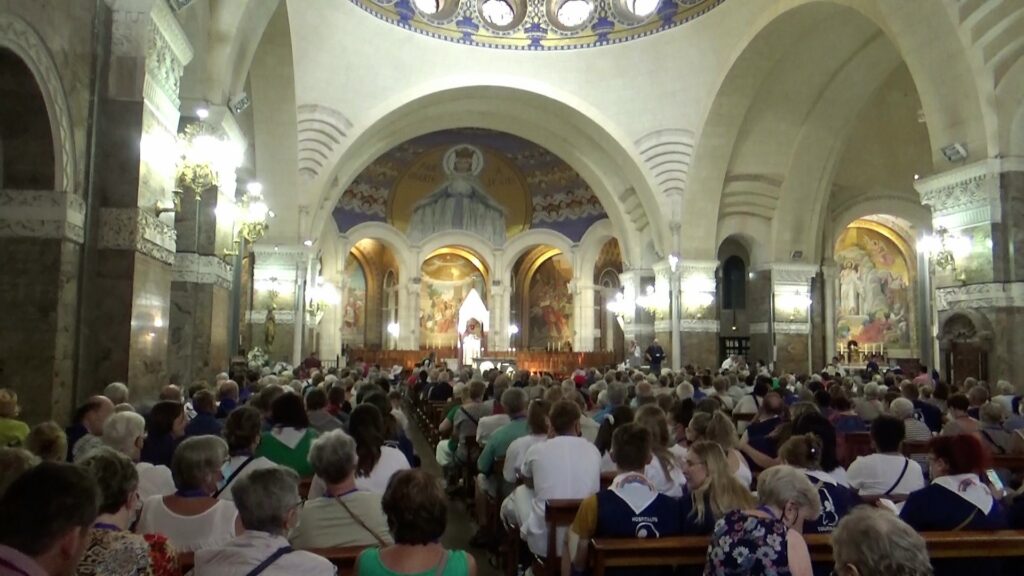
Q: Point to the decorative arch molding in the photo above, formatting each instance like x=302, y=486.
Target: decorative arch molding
x=965, y=326
x=19, y=37
x=953, y=115
x=590, y=248
x=474, y=243
x=920, y=217
x=389, y=237
x=523, y=243
x=590, y=144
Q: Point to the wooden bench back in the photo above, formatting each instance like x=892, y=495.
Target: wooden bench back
x=343, y=557
x=608, y=553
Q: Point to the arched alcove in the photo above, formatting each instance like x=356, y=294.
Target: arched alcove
x=26, y=153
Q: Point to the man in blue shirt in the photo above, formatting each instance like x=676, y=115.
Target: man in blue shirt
x=928, y=413
x=205, y=423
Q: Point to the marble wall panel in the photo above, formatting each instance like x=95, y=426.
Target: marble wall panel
x=198, y=333
x=791, y=352
x=700, y=349
x=1012, y=227
x=147, y=344
x=760, y=347
x=759, y=296
x=220, y=310
x=118, y=153
x=29, y=292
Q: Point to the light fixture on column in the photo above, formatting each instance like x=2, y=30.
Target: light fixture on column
x=202, y=157
x=673, y=262
x=622, y=307
x=322, y=296
x=944, y=248
x=394, y=329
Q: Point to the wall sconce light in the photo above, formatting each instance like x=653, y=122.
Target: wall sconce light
x=393, y=329
x=944, y=248
x=621, y=307
x=321, y=296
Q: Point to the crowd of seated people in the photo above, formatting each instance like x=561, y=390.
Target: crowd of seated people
x=219, y=473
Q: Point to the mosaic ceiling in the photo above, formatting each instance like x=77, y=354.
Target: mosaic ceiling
x=537, y=24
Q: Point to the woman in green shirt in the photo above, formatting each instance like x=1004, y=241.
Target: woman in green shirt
x=417, y=513
x=288, y=442
x=12, y=430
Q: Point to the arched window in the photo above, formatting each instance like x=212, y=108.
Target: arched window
x=734, y=284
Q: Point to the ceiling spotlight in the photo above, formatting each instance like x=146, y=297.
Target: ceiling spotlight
x=203, y=112
x=307, y=243
x=240, y=103
x=917, y=177
x=955, y=152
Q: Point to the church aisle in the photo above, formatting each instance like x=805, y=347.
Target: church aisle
x=460, y=524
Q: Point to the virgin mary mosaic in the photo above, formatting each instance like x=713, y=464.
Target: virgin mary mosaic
x=461, y=202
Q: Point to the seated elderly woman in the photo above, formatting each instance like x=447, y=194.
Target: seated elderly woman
x=268, y=502
x=112, y=548
x=191, y=518
x=48, y=441
x=288, y=442
x=242, y=431
x=13, y=463
x=125, y=432
x=417, y=514
x=992, y=433
x=874, y=541
x=957, y=499
x=762, y=541
x=345, y=515
x=376, y=462
x=960, y=422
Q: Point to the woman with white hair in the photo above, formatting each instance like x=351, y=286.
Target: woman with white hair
x=875, y=541
x=125, y=432
x=345, y=515
x=766, y=540
x=268, y=502
x=191, y=518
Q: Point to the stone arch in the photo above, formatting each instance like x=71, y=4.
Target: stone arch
x=590, y=145
x=777, y=39
x=965, y=326
x=389, y=237
x=521, y=243
x=18, y=36
x=915, y=214
x=590, y=248
x=472, y=242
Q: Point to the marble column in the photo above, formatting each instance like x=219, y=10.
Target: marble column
x=199, y=336
x=699, y=327
x=779, y=301
x=829, y=276
x=409, y=314
x=638, y=324
x=127, y=296
x=583, y=315
x=498, y=337
x=981, y=298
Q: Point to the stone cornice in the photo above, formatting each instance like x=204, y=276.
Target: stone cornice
x=970, y=187
x=694, y=325
x=200, y=269
x=789, y=273
x=790, y=327
x=989, y=295
x=171, y=29
x=138, y=230
x=42, y=214
x=260, y=316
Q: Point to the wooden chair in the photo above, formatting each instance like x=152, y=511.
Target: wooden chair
x=343, y=557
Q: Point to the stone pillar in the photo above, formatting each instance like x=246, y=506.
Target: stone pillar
x=981, y=204
x=497, y=302
x=583, y=315
x=409, y=314
x=829, y=278
x=129, y=283
x=779, y=300
x=199, y=337
x=638, y=324
x=699, y=328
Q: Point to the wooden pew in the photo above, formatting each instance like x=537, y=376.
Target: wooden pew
x=608, y=553
x=557, y=514
x=344, y=558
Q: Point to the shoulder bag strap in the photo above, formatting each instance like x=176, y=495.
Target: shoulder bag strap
x=270, y=560
x=964, y=524
x=442, y=564
x=234, y=474
x=360, y=522
x=906, y=463
x=993, y=443
x=468, y=415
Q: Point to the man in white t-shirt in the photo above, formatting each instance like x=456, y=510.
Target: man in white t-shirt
x=887, y=472
x=565, y=466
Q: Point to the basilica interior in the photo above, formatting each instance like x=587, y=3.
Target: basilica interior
x=187, y=183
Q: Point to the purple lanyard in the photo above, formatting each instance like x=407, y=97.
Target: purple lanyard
x=192, y=493
x=105, y=526
x=768, y=511
x=345, y=493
